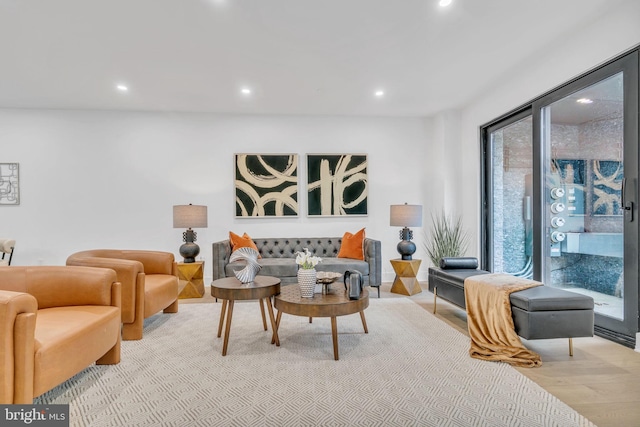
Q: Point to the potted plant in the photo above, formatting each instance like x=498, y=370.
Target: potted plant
x=447, y=238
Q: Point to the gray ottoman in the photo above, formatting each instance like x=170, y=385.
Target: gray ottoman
x=544, y=312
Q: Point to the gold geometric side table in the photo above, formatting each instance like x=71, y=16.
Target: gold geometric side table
x=405, y=282
x=191, y=279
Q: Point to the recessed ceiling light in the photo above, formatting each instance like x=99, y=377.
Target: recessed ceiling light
x=445, y=3
x=245, y=91
x=585, y=101
x=379, y=93
x=122, y=88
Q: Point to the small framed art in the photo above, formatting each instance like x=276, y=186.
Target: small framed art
x=9, y=184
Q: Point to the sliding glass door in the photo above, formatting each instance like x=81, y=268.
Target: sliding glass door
x=589, y=146
x=561, y=193
x=510, y=161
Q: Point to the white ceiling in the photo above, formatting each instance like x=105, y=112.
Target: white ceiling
x=298, y=56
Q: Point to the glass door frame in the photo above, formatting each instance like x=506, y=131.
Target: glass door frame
x=486, y=168
x=622, y=332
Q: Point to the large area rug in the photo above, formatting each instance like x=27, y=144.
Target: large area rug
x=412, y=369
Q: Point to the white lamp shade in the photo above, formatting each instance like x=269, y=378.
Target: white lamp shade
x=406, y=215
x=189, y=216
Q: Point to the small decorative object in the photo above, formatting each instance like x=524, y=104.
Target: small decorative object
x=326, y=278
x=307, y=272
x=250, y=256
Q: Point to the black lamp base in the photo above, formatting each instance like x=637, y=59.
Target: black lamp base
x=189, y=250
x=406, y=247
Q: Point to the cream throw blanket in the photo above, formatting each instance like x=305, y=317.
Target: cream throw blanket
x=493, y=335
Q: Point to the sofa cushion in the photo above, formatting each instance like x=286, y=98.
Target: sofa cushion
x=455, y=277
x=160, y=292
x=287, y=267
x=67, y=340
x=351, y=246
x=340, y=265
x=457, y=263
x=545, y=298
x=243, y=241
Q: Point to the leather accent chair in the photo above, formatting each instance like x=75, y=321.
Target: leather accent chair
x=149, y=283
x=7, y=246
x=54, y=322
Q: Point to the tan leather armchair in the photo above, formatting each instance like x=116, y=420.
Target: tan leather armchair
x=149, y=283
x=54, y=322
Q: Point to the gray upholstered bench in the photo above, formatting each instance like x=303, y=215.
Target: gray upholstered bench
x=541, y=312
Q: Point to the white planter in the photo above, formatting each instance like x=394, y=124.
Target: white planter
x=307, y=282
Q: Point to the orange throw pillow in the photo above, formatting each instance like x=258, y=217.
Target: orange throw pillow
x=352, y=245
x=243, y=241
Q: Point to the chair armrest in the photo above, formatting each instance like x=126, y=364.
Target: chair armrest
x=221, y=253
x=373, y=256
x=128, y=273
x=154, y=262
x=18, y=325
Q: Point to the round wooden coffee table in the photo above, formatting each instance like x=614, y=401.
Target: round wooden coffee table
x=335, y=303
x=230, y=289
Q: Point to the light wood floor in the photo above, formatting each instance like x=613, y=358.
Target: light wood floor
x=601, y=381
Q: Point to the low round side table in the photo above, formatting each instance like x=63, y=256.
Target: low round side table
x=333, y=304
x=230, y=289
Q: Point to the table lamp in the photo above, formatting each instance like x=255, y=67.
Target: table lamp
x=189, y=216
x=406, y=216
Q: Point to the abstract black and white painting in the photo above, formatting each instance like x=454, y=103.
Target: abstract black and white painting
x=9, y=184
x=337, y=184
x=266, y=185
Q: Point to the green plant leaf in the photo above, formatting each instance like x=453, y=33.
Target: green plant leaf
x=447, y=238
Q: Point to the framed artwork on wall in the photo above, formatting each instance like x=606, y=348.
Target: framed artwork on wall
x=9, y=184
x=337, y=184
x=266, y=185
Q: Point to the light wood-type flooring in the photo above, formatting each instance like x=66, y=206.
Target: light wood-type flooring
x=601, y=381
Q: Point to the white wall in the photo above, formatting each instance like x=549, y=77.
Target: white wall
x=580, y=51
x=105, y=179
x=109, y=180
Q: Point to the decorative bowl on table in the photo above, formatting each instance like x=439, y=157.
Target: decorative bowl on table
x=326, y=278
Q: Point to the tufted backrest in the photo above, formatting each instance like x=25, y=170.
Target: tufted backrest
x=325, y=247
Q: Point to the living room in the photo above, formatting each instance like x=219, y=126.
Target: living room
x=102, y=168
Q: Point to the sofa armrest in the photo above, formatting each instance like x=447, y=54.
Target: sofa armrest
x=373, y=256
x=18, y=325
x=221, y=253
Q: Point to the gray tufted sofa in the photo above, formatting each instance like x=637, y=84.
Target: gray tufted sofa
x=279, y=258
